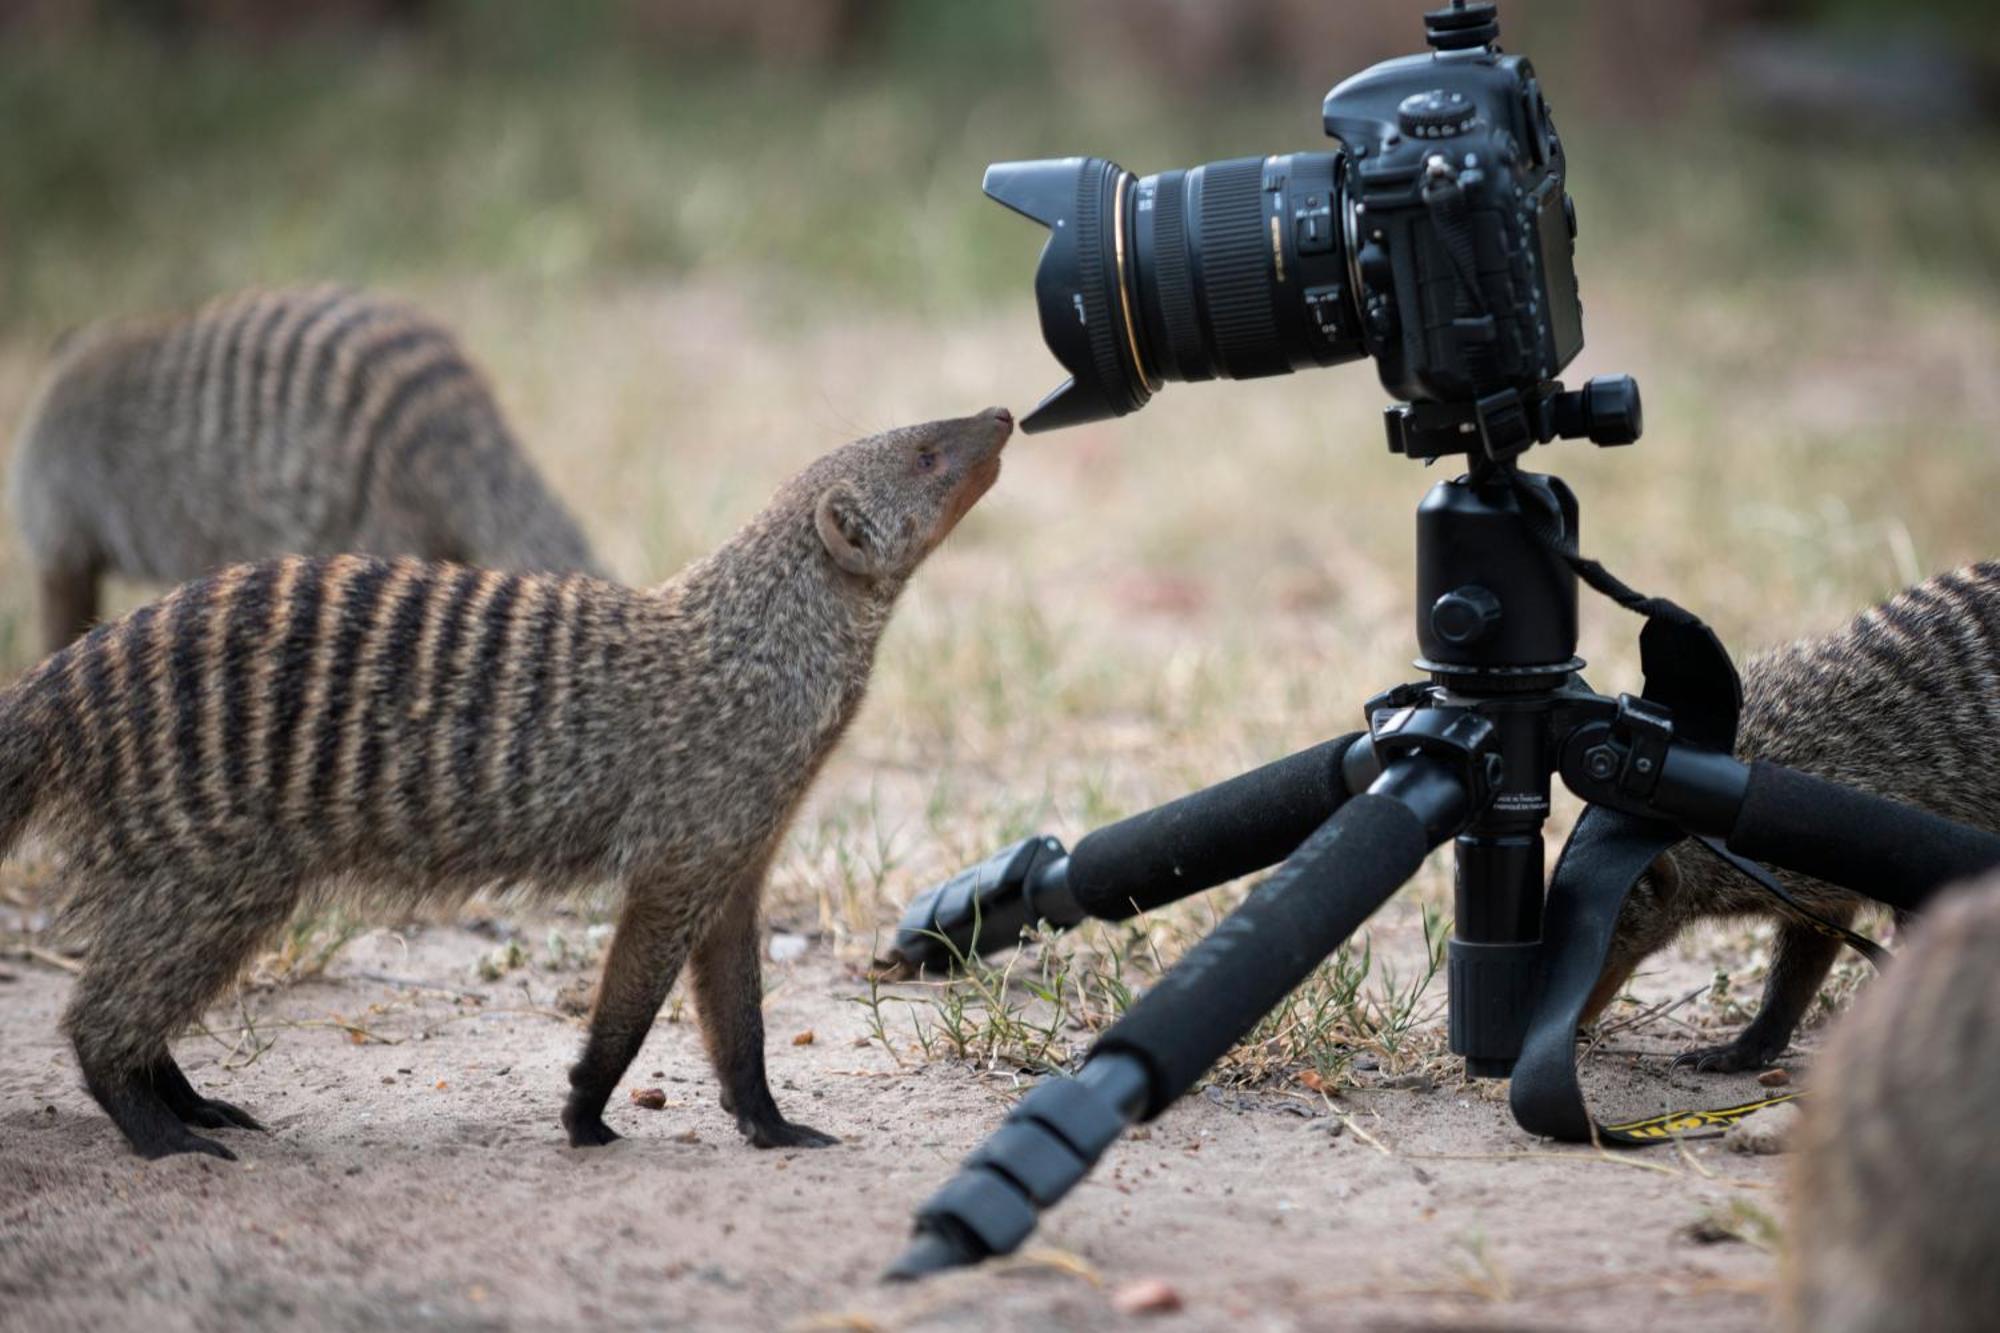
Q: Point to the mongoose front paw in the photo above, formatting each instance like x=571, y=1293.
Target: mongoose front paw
x=587, y=1128
x=1737, y=1057
x=781, y=1133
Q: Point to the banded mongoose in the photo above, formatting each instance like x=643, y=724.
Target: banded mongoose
x=298, y=422
x=279, y=734
x=1904, y=702
x=1896, y=1187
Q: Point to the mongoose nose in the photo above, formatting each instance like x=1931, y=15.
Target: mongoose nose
x=1004, y=417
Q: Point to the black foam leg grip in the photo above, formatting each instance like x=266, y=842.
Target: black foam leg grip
x=1345, y=869
x=1894, y=853
x=1210, y=837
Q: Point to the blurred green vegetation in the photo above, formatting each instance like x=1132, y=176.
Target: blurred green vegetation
x=537, y=143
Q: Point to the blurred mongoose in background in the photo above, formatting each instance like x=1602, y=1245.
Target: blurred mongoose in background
x=304, y=422
x=1903, y=702
x=1894, y=1223
x=279, y=734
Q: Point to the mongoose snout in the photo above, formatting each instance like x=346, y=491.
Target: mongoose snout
x=1904, y=702
x=392, y=732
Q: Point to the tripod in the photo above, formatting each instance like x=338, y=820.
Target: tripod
x=1467, y=755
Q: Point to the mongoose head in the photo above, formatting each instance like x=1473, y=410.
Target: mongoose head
x=882, y=504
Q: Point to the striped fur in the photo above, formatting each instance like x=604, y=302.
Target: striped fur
x=1895, y=1186
x=397, y=730
x=1904, y=702
x=310, y=421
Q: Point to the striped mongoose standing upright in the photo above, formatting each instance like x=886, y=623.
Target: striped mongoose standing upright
x=1896, y=1188
x=304, y=422
x=277, y=734
x=1903, y=702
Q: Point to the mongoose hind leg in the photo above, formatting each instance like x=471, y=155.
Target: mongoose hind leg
x=729, y=992
x=646, y=954
x=134, y=1091
x=1801, y=961
x=163, y=950
x=69, y=604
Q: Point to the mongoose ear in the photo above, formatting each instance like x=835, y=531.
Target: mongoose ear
x=845, y=531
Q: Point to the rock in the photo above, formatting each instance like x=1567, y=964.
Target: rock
x=1775, y=1078
x=1766, y=1132
x=804, y=1038
x=785, y=947
x=653, y=1099
x=1147, y=1295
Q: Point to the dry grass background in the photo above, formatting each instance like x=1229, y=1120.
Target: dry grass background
x=686, y=285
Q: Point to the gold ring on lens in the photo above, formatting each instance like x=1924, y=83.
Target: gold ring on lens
x=1124, y=292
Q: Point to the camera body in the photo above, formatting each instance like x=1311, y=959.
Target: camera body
x=1439, y=240
x=1461, y=237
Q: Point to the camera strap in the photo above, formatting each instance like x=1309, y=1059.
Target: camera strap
x=1688, y=671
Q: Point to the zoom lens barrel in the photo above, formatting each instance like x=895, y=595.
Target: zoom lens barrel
x=1234, y=269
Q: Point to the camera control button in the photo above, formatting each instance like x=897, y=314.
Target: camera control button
x=1312, y=226
x=1436, y=114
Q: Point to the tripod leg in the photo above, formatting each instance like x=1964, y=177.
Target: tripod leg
x=1322, y=894
x=1798, y=969
x=1146, y=861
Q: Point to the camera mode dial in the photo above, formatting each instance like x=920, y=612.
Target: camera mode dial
x=1436, y=114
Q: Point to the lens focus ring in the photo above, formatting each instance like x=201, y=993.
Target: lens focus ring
x=1175, y=282
x=1236, y=269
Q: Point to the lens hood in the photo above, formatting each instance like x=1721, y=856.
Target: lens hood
x=1080, y=284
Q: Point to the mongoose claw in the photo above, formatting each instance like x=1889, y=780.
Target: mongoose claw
x=780, y=1133
x=213, y=1113
x=1737, y=1057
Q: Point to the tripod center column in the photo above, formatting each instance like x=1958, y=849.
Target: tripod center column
x=1496, y=619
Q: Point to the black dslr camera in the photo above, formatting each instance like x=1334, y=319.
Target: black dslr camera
x=1439, y=240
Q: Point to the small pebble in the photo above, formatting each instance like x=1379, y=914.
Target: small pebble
x=804, y=1038
x=1147, y=1295
x=653, y=1099
x=1775, y=1078
x=1764, y=1132
x=785, y=947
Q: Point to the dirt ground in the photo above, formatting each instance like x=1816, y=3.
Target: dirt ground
x=415, y=1176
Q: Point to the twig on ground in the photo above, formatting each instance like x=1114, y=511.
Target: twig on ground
x=1640, y=1019
x=52, y=958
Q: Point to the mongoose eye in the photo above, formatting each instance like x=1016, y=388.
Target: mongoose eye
x=927, y=460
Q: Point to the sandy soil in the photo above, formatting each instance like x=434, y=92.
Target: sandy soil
x=415, y=1176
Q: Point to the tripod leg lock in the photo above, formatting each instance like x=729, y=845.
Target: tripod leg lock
x=986, y=907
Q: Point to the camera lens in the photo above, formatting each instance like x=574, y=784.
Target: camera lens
x=1234, y=269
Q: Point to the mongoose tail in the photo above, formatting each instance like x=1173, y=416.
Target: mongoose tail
x=1903, y=702
x=401, y=732
x=1895, y=1184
